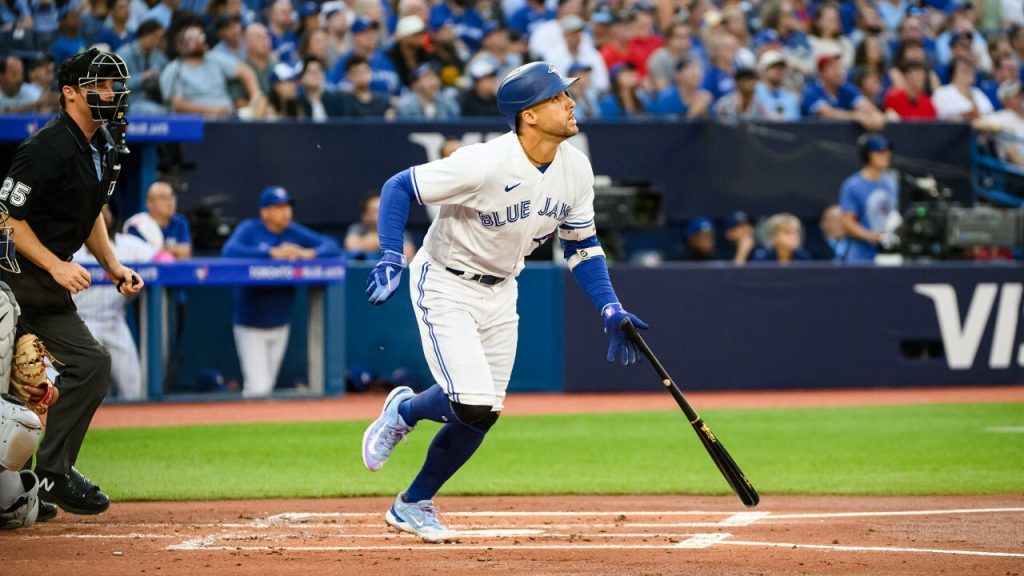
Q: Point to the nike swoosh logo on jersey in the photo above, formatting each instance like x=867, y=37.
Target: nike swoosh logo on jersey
x=510, y=188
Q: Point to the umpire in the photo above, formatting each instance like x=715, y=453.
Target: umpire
x=57, y=183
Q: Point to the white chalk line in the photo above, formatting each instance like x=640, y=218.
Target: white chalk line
x=699, y=541
x=872, y=548
x=1005, y=429
x=896, y=513
x=287, y=516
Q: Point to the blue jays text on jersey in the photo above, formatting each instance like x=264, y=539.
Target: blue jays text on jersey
x=552, y=208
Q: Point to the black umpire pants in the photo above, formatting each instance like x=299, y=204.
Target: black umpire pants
x=84, y=365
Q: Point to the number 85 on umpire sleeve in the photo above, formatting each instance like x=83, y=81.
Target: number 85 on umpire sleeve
x=17, y=191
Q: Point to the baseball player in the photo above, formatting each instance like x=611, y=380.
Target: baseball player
x=869, y=200
x=499, y=201
x=59, y=179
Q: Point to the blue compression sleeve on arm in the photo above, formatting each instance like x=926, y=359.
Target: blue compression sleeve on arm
x=592, y=273
x=395, y=197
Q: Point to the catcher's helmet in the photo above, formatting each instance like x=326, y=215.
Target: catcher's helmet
x=86, y=69
x=528, y=85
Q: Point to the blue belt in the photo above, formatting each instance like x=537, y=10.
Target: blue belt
x=481, y=278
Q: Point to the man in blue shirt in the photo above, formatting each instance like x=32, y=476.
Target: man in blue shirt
x=869, y=200
x=771, y=96
x=364, y=34
x=469, y=25
x=262, y=314
x=832, y=97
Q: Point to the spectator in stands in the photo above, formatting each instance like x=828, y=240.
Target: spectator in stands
x=961, y=29
x=869, y=200
x=774, y=100
x=587, y=97
x=870, y=85
x=103, y=309
x=1009, y=121
x=741, y=104
x=525, y=19
x=15, y=15
x=740, y=234
x=869, y=24
x=784, y=234
x=259, y=55
x=426, y=99
x=618, y=49
x=960, y=47
x=780, y=16
x=359, y=100
x=826, y=37
x=463, y=18
x=913, y=28
x=144, y=60
x=835, y=243
x=361, y=241
x=700, y=240
x=626, y=99
x=735, y=23
x=115, y=31
x=661, y=66
x=647, y=36
x=334, y=21
x=831, y=97
x=41, y=74
x=449, y=52
x=162, y=12
x=870, y=54
x=46, y=15
x=69, y=41
x=574, y=44
x=910, y=102
x=1004, y=68
x=283, y=100
x=16, y=96
x=197, y=83
x=313, y=44
x=364, y=37
x=685, y=99
x=408, y=50
x=160, y=225
x=262, y=315
x=308, y=19
x=481, y=99
x=280, y=24
x=230, y=36
x=913, y=51
x=496, y=49
x=317, y=104
x=960, y=99
x=892, y=12
x=1016, y=34
x=720, y=77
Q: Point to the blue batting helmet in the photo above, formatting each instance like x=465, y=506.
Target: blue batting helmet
x=528, y=85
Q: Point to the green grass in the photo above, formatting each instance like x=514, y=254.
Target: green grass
x=927, y=449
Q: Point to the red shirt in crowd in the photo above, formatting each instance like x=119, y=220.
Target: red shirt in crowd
x=920, y=108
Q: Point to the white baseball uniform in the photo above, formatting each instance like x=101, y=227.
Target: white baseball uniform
x=496, y=208
x=102, y=308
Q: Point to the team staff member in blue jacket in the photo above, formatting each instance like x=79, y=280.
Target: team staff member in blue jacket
x=262, y=315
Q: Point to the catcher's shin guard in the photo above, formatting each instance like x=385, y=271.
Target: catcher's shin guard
x=20, y=429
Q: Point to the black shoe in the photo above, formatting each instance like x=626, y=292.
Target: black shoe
x=47, y=511
x=73, y=492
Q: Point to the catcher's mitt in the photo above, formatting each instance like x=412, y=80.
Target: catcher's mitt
x=28, y=374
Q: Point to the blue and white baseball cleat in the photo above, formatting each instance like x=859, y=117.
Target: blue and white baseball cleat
x=420, y=518
x=386, y=431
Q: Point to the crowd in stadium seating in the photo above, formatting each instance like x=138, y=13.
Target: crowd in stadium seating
x=866, y=60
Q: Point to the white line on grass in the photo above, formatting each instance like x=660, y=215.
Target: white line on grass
x=1005, y=429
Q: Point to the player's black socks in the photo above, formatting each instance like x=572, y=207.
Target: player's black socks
x=450, y=449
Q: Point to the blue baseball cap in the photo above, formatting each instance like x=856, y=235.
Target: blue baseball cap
x=307, y=9
x=766, y=36
x=736, y=218
x=875, y=143
x=274, y=196
x=362, y=24
x=578, y=67
x=698, y=225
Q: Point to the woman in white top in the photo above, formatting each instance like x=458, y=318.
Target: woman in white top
x=826, y=35
x=960, y=100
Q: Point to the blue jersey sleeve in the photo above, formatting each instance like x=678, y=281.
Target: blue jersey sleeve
x=395, y=196
x=244, y=242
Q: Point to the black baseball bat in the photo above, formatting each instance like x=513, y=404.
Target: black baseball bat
x=726, y=465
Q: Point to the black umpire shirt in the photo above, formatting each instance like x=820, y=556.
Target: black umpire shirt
x=53, y=185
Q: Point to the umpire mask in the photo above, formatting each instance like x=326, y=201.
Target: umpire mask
x=90, y=69
x=8, y=258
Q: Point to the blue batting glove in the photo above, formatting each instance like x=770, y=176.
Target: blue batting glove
x=620, y=345
x=385, y=278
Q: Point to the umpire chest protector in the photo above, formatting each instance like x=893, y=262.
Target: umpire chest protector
x=53, y=185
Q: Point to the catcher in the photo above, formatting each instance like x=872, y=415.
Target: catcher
x=20, y=428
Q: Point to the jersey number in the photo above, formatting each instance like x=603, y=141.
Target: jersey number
x=17, y=192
